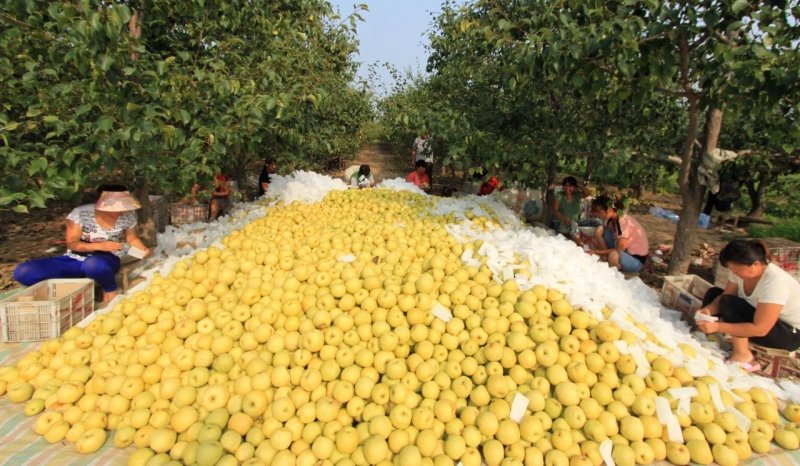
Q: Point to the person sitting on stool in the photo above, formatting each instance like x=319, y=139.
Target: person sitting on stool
x=760, y=303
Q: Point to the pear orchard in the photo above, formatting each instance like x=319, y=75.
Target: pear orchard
x=311, y=339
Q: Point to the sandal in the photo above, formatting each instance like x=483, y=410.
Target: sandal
x=752, y=366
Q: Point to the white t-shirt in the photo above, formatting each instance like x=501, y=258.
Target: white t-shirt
x=91, y=232
x=423, y=149
x=775, y=286
x=357, y=179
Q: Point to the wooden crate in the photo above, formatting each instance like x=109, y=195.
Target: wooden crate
x=45, y=310
x=684, y=293
x=776, y=363
x=188, y=213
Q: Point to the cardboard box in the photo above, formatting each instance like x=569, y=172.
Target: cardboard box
x=684, y=293
x=46, y=309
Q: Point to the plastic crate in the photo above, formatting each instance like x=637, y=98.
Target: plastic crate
x=188, y=213
x=684, y=293
x=785, y=254
x=44, y=310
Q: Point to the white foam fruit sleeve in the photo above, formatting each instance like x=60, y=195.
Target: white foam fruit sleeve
x=683, y=392
x=518, y=407
x=441, y=312
x=605, y=452
x=716, y=397
x=684, y=405
x=667, y=418
x=741, y=420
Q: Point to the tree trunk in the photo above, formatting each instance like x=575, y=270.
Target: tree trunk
x=638, y=191
x=691, y=190
x=758, y=195
x=587, y=175
x=550, y=194
x=240, y=175
x=144, y=216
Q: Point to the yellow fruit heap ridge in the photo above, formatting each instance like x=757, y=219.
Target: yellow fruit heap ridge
x=310, y=339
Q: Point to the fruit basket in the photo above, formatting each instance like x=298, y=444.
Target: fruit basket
x=684, y=293
x=188, y=213
x=46, y=309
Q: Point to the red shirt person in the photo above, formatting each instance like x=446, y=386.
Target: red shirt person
x=489, y=186
x=419, y=176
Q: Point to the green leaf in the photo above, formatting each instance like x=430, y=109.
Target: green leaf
x=740, y=5
x=105, y=123
x=20, y=209
x=37, y=166
x=50, y=119
x=106, y=61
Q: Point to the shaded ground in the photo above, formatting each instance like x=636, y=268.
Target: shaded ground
x=23, y=237
x=383, y=163
x=661, y=232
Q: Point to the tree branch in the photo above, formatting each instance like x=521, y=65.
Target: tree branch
x=658, y=36
x=25, y=25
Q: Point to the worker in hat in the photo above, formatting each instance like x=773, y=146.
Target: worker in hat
x=95, y=237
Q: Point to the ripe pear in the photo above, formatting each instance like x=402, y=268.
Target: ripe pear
x=737, y=440
x=759, y=442
x=659, y=448
x=699, y=451
x=724, y=456
x=714, y=434
x=678, y=454
x=792, y=412
x=726, y=420
x=644, y=452
x=623, y=455
x=787, y=439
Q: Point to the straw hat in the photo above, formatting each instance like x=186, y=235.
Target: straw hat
x=116, y=201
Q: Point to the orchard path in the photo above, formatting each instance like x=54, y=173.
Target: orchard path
x=384, y=164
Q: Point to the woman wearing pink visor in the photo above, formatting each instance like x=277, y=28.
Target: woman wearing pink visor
x=95, y=235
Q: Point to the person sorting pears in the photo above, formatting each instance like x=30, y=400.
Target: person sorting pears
x=95, y=236
x=760, y=303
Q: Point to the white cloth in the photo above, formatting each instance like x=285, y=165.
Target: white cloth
x=775, y=286
x=708, y=172
x=91, y=232
x=422, y=149
x=361, y=181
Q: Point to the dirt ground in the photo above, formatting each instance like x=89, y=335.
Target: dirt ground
x=23, y=237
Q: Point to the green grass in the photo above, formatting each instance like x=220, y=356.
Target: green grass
x=783, y=228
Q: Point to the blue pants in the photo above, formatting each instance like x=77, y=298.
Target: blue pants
x=627, y=263
x=99, y=266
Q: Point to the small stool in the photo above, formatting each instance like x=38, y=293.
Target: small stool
x=126, y=266
x=776, y=363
